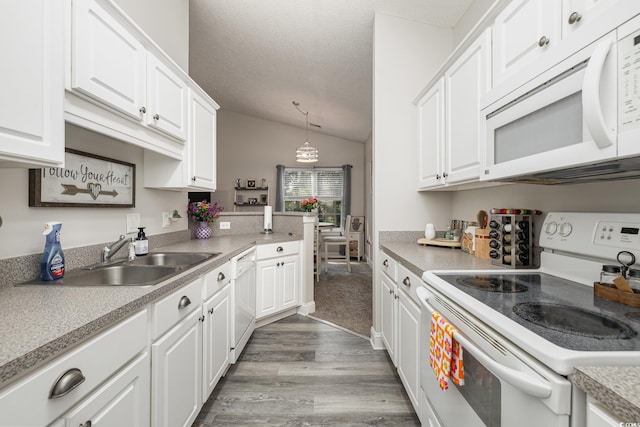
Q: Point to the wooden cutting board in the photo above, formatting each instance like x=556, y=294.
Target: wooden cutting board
x=440, y=242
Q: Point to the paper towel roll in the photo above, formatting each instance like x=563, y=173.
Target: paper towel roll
x=268, y=217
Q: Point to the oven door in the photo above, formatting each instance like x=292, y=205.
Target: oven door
x=565, y=117
x=503, y=386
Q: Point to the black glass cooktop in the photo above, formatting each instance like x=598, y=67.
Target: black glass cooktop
x=561, y=311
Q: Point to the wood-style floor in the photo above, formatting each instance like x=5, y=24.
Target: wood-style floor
x=301, y=372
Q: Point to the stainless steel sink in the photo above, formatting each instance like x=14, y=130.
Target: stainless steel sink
x=144, y=271
x=173, y=258
x=118, y=275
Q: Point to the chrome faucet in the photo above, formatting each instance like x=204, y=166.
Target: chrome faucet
x=109, y=251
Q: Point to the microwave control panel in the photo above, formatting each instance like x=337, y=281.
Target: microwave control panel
x=629, y=82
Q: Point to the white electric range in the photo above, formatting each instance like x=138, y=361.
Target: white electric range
x=524, y=331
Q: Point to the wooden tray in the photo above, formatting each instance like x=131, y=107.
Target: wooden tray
x=612, y=293
x=440, y=242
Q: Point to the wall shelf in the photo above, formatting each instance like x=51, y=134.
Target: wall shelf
x=242, y=197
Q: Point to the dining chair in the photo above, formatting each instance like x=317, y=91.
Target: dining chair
x=342, y=240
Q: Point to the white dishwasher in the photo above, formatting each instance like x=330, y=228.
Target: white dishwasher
x=244, y=300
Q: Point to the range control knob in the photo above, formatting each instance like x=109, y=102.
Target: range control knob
x=565, y=229
x=551, y=228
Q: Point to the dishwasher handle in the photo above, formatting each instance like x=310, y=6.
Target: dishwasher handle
x=520, y=380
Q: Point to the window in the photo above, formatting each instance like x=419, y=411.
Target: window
x=326, y=184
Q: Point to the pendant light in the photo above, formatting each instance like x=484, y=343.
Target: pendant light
x=305, y=153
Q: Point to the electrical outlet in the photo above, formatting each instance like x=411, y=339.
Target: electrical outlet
x=165, y=220
x=133, y=222
x=225, y=225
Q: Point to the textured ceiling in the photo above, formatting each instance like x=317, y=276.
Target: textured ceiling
x=256, y=56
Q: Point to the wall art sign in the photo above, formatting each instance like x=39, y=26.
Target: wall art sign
x=87, y=180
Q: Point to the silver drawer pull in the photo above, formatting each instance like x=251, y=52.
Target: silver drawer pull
x=156, y=117
x=66, y=383
x=385, y=263
x=406, y=281
x=279, y=249
x=221, y=276
x=543, y=41
x=87, y=424
x=184, y=301
x=574, y=17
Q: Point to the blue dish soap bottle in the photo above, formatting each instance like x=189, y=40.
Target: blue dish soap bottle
x=52, y=264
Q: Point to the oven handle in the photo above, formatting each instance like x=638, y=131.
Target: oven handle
x=519, y=380
x=602, y=135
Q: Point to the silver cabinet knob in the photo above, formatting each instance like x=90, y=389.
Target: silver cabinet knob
x=66, y=383
x=396, y=296
x=156, y=117
x=543, y=41
x=201, y=318
x=193, y=178
x=143, y=110
x=438, y=176
x=279, y=249
x=87, y=424
x=574, y=17
x=221, y=277
x=210, y=311
x=406, y=281
x=385, y=263
x=184, y=301
x=444, y=174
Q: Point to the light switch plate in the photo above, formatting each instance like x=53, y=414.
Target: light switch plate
x=133, y=222
x=165, y=220
x=225, y=225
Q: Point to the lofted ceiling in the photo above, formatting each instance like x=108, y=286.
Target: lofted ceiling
x=255, y=57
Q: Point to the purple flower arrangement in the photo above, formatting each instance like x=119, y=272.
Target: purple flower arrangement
x=204, y=211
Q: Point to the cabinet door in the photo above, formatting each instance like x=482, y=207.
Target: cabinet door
x=216, y=339
x=518, y=33
x=166, y=99
x=202, y=143
x=466, y=81
x=388, y=314
x=599, y=416
x=289, y=283
x=431, y=127
x=266, y=288
x=408, y=346
x=123, y=401
x=108, y=63
x=177, y=374
x=580, y=14
x=31, y=76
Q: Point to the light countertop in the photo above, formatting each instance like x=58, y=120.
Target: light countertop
x=41, y=322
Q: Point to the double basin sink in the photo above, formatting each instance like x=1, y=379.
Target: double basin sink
x=144, y=271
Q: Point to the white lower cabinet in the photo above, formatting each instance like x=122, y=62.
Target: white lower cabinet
x=389, y=298
x=278, y=279
x=83, y=383
x=121, y=401
x=408, y=345
x=176, y=374
x=216, y=338
x=600, y=416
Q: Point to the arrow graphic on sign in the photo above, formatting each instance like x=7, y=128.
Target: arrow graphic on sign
x=93, y=189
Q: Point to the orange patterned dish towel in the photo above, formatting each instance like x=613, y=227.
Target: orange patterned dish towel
x=445, y=353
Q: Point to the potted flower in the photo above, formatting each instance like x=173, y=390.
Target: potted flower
x=309, y=204
x=204, y=213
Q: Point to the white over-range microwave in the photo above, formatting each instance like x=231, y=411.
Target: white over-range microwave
x=579, y=121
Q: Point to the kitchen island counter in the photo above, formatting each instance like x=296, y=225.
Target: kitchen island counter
x=41, y=322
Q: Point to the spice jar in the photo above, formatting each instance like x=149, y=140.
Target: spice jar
x=609, y=273
x=634, y=279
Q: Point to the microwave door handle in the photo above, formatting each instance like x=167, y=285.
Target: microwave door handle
x=591, y=105
x=518, y=379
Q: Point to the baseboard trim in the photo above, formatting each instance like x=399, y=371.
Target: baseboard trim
x=307, y=308
x=376, y=340
x=275, y=317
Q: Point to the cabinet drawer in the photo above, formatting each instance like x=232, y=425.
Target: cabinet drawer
x=28, y=402
x=277, y=249
x=217, y=279
x=388, y=266
x=171, y=309
x=409, y=282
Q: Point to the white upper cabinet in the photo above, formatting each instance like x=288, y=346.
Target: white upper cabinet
x=451, y=132
x=121, y=84
x=431, y=136
x=31, y=76
x=166, y=99
x=466, y=81
x=578, y=14
x=109, y=63
x=523, y=32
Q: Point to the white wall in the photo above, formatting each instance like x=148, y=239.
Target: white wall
x=406, y=54
x=368, y=196
x=21, y=231
x=166, y=22
x=619, y=196
x=249, y=147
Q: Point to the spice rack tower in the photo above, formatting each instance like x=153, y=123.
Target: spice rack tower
x=511, y=241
